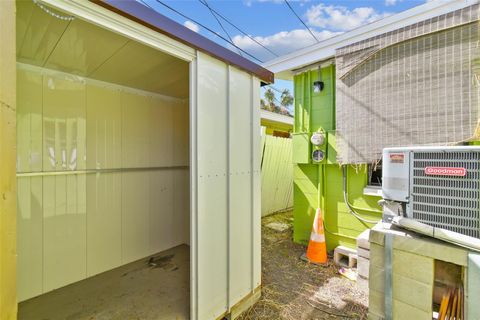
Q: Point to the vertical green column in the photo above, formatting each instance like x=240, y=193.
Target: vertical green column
x=322, y=184
x=313, y=111
x=305, y=200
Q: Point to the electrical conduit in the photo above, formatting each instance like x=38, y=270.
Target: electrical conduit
x=349, y=206
x=322, y=187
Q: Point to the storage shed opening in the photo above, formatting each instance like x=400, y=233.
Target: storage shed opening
x=102, y=171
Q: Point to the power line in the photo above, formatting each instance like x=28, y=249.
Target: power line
x=288, y=4
x=207, y=28
x=243, y=32
x=275, y=89
x=203, y=26
x=204, y=2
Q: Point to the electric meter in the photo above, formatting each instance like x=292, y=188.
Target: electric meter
x=318, y=155
x=317, y=139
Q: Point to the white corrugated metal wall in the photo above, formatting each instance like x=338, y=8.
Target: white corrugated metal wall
x=125, y=201
x=225, y=179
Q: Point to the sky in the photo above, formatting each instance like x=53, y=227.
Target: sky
x=272, y=23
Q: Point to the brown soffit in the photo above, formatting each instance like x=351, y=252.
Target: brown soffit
x=154, y=20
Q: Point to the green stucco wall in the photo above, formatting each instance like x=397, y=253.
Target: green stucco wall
x=324, y=182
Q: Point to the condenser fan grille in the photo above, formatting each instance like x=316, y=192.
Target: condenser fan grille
x=447, y=202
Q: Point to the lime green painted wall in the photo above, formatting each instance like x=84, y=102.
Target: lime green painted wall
x=342, y=228
x=324, y=182
x=317, y=109
x=271, y=126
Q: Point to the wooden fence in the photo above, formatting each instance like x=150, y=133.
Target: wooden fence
x=277, y=174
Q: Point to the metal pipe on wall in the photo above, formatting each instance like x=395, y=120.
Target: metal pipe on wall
x=345, y=198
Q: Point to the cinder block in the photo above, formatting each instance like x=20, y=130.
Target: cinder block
x=364, y=253
x=377, y=237
x=342, y=256
x=373, y=316
x=413, y=266
x=363, y=240
x=407, y=290
x=352, y=261
x=412, y=292
x=376, y=302
x=362, y=284
x=376, y=278
x=377, y=255
x=433, y=249
x=403, y=311
x=363, y=266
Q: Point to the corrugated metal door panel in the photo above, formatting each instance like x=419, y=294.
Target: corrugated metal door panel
x=104, y=250
x=135, y=132
x=162, y=127
x=162, y=231
x=30, y=244
x=240, y=165
x=63, y=124
x=226, y=205
x=135, y=215
x=256, y=186
x=104, y=130
x=212, y=241
x=104, y=137
x=64, y=230
x=180, y=132
x=181, y=206
x=29, y=122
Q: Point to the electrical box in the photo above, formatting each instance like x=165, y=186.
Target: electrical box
x=301, y=148
x=331, y=147
x=319, y=147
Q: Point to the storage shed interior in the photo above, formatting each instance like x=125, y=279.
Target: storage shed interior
x=102, y=168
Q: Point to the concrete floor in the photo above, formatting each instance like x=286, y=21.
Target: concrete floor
x=133, y=291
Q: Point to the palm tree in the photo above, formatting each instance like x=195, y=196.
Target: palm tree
x=268, y=103
x=270, y=99
x=286, y=98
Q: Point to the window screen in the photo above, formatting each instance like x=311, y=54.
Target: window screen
x=418, y=85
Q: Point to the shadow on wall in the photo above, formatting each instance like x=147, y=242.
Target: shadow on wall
x=341, y=227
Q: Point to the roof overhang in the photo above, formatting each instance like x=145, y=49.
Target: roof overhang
x=276, y=117
x=153, y=20
x=286, y=66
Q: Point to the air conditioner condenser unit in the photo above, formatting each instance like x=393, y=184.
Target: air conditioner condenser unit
x=438, y=186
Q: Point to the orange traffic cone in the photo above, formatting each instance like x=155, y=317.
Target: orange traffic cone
x=317, y=248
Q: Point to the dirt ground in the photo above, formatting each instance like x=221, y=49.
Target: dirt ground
x=293, y=289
